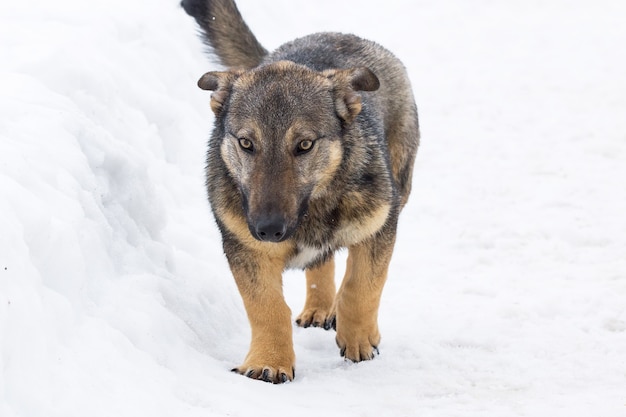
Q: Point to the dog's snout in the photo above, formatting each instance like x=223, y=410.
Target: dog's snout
x=271, y=229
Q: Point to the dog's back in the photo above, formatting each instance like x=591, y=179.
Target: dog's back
x=235, y=46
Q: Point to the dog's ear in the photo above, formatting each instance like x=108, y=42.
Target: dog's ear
x=221, y=83
x=346, y=84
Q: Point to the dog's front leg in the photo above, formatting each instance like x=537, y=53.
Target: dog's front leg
x=271, y=356
x=358, y=299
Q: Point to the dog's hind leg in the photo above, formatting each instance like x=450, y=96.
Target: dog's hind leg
x=331, y=320
x=320, y=294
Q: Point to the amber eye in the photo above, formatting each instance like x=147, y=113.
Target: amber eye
x=246, y=144
x=304, y=146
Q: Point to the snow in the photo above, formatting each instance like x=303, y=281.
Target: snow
x=507, y=291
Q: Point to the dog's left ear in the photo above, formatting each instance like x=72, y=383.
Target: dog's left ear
x=347, y=83
x=221, y=83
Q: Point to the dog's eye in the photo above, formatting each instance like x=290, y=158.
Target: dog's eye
x=246, y=144
x=304, y=146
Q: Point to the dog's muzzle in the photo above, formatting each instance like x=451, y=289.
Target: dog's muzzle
x=270, y=229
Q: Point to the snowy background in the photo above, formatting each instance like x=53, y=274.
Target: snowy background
x=507, y=291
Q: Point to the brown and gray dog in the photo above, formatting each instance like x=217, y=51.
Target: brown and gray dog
x=312, y=151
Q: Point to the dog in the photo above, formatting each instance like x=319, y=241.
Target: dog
x=312, y=150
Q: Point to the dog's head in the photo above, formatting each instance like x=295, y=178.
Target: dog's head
x=282, y=143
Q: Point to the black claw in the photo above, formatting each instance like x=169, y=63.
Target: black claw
x=283, y=377
x=250, y=373
x=265, y=376
x=330, y=323
x=298, y=321
x=293, y=372
x=307, y=325
x=342, y=352
x=376, y=350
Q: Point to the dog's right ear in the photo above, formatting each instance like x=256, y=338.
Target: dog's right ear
x=221, y=83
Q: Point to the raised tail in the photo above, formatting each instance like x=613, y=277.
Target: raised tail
x=225, y=32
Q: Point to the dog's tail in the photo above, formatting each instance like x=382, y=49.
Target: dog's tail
x=225, y=32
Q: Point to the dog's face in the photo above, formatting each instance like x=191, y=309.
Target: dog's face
x=283, y=136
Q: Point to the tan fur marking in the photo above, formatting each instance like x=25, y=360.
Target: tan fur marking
x=326, y=176
x=363, y=228
x=320, y=294
x=238, y=226
x=225, y=151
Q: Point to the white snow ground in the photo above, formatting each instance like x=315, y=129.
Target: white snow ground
x=507, y=291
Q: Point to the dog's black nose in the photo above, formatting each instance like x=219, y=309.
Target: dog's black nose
x=270, y=229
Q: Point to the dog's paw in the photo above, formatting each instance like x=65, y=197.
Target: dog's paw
x=358, y=346
x=312, y=317
x=275, y=375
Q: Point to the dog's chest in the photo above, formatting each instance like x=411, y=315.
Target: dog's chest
x=305, y=256
x=347, y=233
